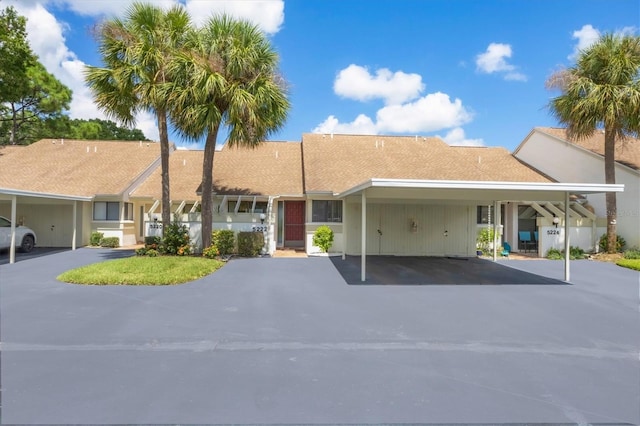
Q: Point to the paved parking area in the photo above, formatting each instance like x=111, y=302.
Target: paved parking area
x=290, y=341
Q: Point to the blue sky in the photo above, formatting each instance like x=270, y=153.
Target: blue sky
x=471, y=72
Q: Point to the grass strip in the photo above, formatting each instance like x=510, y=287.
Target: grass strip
x=629, y=263
x=143, y=270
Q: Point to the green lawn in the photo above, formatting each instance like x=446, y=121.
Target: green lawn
x=143, y=270
x=629, y=263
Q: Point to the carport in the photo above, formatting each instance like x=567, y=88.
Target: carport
x=495, y=193
x=45, y=199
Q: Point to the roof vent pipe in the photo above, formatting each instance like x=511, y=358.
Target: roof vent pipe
x=332, y=135
x=95, y=149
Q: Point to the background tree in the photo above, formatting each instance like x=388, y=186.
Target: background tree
x=15, y=54
x=40, y=97
x=602, y=91
x=136, y=52
x=227, y=77
x=91, y=129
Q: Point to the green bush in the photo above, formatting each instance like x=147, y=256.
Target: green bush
x=95, y=238
x=250, y=243
x=224, y=240
x=555, y=254
x=142, y=251
x=484, y=240
x=153, y=253
x=111, y=242
x=323, y=238
x=575, y=253
x=632, y=253
x=211, y=252
x=604, y=244
x=176, y=240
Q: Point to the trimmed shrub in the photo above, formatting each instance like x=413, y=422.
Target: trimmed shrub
x=176, y=240
x=153, y=253
x=632, y=253
x=224, y=240
x=250, y=243
x=323, y=238
x=142, y=251
x=604, y=244
x=484, y=240
x=575, y=253
x=110, y=242
x=211, y=252
x=95, y=238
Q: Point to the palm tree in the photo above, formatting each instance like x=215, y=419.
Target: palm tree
x=602, y=91
x=229, y=80
x=136, y=52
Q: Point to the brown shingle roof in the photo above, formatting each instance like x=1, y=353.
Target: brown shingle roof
x=627, y=151
x=339, y=162
x=75, y=167
x=273, y=168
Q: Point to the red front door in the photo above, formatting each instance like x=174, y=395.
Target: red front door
x=294, y=223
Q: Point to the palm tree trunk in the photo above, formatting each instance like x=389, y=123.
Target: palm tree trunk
x=164, y=162
x=207, y=187
x=610, y=178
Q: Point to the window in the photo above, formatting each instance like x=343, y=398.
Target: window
x=485, y=213
x=107, y=210
x=128, y=211
x=246, y=205
x=326, y=211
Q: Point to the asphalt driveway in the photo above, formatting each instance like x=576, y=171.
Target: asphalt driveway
x=290, y=341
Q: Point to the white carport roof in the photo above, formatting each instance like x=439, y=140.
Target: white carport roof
x=483, y=190
x=472, y=190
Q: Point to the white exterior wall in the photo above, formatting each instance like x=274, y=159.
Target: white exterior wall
x=411, y=229
x=241, y=222
x=567, y=163
x=53, y=222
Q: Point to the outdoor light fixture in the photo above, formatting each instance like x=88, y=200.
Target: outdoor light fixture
x=556, y=221
x=262, y=218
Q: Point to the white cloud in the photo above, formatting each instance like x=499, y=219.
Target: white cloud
x=494, y=60
x=456, y=137
x=430, y=113
x=266, y=14
x=356, y=82
x=362, y=125
x=586, y=36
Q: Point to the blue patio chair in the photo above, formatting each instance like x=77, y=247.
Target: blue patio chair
x=506, y=249
x=525, y=239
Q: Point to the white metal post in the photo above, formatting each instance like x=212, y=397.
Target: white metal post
x=567, y=254
x=75, y=211
x=495, y=231
x=12, y=247
x=344, y=229
x=363, y=249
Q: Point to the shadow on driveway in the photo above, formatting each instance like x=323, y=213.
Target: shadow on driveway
x=105, y=254
x=423, y=270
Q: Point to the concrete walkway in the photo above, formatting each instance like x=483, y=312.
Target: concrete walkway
x=289, y=341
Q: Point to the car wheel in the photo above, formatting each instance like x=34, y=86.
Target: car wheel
x=27, y=243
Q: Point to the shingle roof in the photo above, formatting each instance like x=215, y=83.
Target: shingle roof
x=273, y=168
x=336, y=163
x=75, y=167
x=627, y=151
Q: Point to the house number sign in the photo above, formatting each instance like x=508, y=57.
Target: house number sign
x=259, y=228
x=553, y=232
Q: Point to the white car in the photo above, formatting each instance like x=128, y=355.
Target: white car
x=25, y=237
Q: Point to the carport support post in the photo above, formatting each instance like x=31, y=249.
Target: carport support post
x=75, y=211
x=495, y=231
x=344, y=229
x=567, y=254
x=12, y=247
x=363, y=248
